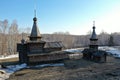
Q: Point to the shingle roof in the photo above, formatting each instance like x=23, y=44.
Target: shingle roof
x=54, y=44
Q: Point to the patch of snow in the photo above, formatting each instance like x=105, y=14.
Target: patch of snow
x=10, y=70
x=14, y=68
x=74, y=50
x=49, y=65
x=75, y=56
x=9, y=56
x=6, y=72
x=106, y=48
x=115, y=52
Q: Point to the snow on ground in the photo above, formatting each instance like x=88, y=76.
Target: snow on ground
x=49, y=65
x=115, y=52
x=75, y=50
x=9, y=56
x=5, y=73
x=106, y=48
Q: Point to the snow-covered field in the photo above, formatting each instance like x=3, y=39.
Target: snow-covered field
x=113, y=51
x=75, y=50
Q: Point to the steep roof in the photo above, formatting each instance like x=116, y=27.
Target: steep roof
x=93, y=36
x=35, y=33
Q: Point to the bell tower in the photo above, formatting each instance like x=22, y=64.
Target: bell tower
x=93, y=39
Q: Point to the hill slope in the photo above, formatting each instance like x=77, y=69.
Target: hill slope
x=74, y=70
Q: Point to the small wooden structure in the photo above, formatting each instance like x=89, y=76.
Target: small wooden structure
x=92, y=53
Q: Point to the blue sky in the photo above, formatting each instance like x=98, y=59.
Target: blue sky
x=74, y=16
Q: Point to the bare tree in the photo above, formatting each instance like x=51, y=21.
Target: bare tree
x=103, y=38
x=13, y=37
x=3, y=29
x=111, y=41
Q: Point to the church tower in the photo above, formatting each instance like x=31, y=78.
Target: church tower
x=35, y=33
x=93, y=39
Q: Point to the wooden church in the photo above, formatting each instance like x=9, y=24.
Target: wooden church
x=36, y=50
